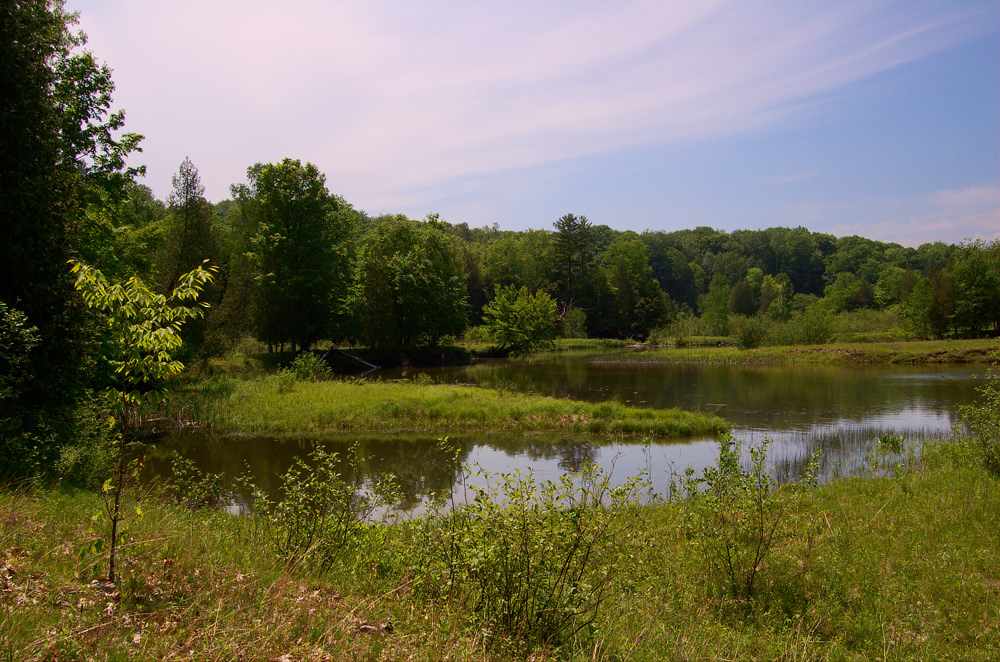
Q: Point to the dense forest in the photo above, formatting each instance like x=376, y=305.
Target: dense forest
x=300, y=264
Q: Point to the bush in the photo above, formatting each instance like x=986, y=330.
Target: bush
x=737, y=516
x=193, y=488
x=573, y=323
x=867, y=325
x=477, y=334
x=983, y=419
x=751, y=331
x=813, y=326
x=531, y=561
x=519, y=321
x=320, y=514
x=680, y=331
x=22, y=451
x=309, y=367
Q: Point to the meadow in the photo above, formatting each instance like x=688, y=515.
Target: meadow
x=892, y=566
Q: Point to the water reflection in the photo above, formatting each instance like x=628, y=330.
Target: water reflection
x=837, y=411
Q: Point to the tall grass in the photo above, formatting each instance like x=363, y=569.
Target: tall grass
x=901, y=567
x=275, y=406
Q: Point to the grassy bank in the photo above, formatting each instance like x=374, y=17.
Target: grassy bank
x=917, y=352
x=274, y=406
x=906, y=567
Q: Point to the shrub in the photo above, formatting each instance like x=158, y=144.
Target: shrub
x=736, y=516
x=813, y=326
x=18, y=338
x=751, y=332
x=309, y=367
x=531, y=562
x=193, y=488
x=520, y=321
x=868, y=325
x=573, y=323
x=680, y=331
x=320, y=515
x=983, y=419
x=477, y=334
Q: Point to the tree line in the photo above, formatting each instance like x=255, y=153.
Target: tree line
x=301, y=264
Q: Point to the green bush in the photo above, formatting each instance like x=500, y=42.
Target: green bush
x=519, y=321
x=680, y=331
x=813, y=326
x=531, y=562
x=573, y=323
x=868, y=325
x=193, y=488
x=320, y=514
x=983, y=420
x=736, y=516
x=479, y=334
x=751, y=331
x=309, y=367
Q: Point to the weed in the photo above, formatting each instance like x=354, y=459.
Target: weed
x=983, y=420
x=193, y=488
x=737, y=515
x=320, y=514
x=309, y=367
x=532, y=562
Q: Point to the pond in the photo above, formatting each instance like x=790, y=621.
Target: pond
x=839, y=411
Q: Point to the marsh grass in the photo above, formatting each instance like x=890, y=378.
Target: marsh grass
x=274, y=406
x=915, y=352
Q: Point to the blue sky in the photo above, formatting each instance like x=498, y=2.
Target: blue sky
x=872, y=118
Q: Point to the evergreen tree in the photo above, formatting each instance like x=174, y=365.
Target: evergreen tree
x=576, y=250
x=189, y=239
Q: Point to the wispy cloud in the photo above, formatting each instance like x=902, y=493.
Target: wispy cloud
x=390, y=98
x=950, y=215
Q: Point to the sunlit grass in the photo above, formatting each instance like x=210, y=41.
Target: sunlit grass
x=901, y=567
x=859, y=353
x=269, y=406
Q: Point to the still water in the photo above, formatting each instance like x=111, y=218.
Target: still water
x=839, y=411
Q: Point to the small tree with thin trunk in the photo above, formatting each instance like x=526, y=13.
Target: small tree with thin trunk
x=144, y=332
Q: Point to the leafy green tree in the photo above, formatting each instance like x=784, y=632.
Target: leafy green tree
x=189, y=239
x=672, y=269
x=144, y=330
x=715, y=306
x=637, y=303
x=742, y=300
x=521, y=259
x=410, y=289
x=62, y=154
x=893, y=285
x=776, y=296
x=302, y=254
x=520, y=321
x=798, y=253
x=917, y=309
x=236, y=314
x=976, y=275
x=848, y=292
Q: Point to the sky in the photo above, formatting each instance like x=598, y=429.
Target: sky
x=873, y=118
